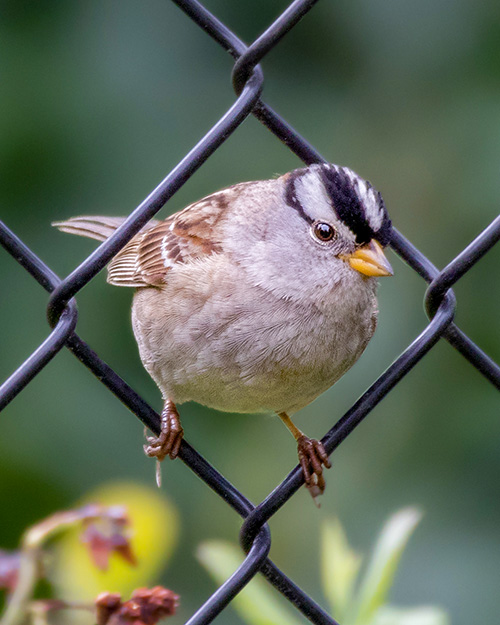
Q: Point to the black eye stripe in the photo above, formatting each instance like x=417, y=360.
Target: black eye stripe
x=349, y=208
x=346, y=203
x=291, y=195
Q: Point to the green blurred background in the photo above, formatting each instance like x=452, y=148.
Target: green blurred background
x=99, y=101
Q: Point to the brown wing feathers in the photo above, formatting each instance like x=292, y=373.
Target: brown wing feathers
x=146, y=259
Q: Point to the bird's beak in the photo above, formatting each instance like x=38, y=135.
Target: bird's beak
x=370, y=260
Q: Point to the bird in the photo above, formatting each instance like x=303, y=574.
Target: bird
x=256, y=298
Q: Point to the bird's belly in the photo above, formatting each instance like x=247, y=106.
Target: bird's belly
x=241, y=360
x=279, y=390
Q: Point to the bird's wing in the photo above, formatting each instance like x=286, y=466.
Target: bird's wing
x=192, y=233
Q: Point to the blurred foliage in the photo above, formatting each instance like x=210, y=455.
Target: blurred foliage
x=110, y=546
x=154, y=532
x=351, y=601
x=99, y=101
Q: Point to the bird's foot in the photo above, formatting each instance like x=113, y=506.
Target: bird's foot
x=312, y=458
x=170, y=438
x=169, y=441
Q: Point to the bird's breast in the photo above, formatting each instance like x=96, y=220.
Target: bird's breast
x=240, y=349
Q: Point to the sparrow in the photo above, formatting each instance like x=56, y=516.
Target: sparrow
x=254, y=299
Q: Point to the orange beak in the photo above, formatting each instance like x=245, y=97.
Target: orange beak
x=370, y=260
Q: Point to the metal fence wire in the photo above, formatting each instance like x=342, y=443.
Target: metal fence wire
x=440, y=304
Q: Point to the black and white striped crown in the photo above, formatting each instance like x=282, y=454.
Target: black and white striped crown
x=354, y=200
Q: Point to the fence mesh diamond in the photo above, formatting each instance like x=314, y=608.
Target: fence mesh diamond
x=247, y=77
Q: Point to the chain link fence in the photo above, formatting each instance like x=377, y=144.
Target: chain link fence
x=440, y=304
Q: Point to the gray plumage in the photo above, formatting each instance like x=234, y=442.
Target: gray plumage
x=256, y=298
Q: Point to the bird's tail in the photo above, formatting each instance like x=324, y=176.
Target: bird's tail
x=101, y=228
x=94, y=227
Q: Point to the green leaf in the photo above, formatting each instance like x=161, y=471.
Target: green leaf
x=384, y=562
x=339, y=568
x=257, y=603
x=424, y=615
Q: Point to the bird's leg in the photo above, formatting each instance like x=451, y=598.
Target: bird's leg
x=169, y=440
x=312, y=457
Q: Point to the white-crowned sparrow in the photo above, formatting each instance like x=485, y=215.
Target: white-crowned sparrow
x=256, y=298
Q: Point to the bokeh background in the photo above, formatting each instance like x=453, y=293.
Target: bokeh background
x=100, y=99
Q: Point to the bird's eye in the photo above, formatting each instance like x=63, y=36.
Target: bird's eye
x=323, y=232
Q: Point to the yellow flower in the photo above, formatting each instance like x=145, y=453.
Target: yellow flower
x=154, y=529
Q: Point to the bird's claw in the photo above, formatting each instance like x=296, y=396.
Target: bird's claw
x=170, y=438
x=312, y=459
x=168, y=442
